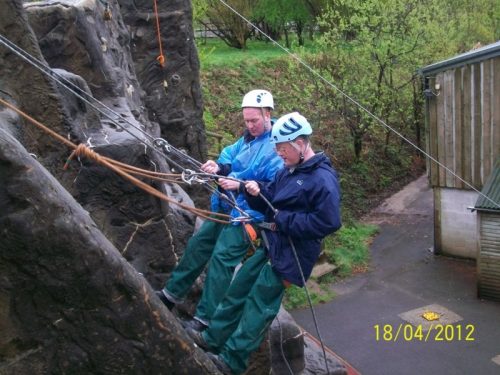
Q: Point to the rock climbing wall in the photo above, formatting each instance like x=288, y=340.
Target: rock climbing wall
x=88, y=44
x=172, y=92
x=81, y=248
x=69, y=302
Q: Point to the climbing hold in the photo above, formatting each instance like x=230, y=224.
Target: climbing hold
x=175, y=79
x=107, y=13
x=104, y=44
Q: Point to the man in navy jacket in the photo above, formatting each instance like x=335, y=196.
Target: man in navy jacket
x=302, y=206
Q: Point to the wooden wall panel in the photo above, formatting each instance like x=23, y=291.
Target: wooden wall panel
x=459, y=124
x=466, y=152
x=495, y=146
x=477, y=123
x=449, y=126
x=487, y=86
x=464, y=124
x=441, y=149
x=432, y=137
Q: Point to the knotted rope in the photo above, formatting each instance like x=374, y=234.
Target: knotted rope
x=161, y=57
x=120, y=168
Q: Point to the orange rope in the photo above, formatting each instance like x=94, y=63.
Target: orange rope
x=117, y=167
x=83, y=150
x=160, y=58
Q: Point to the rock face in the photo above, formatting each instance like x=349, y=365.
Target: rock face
x=69, y=302
x=287, y=345
x=171, y=94
x=90, y=54
x=295, y=351
x=28, y=88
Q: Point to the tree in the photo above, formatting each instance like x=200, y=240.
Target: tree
x=281, y=14
x=224, y=22
x=472, y=23
x=376, y=48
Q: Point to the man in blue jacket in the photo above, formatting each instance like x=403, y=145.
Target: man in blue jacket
x=223, y=246
x=302, y=206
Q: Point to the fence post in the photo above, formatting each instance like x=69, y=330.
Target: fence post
x=219, y=137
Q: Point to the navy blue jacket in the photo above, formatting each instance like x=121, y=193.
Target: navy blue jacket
x=308, y=202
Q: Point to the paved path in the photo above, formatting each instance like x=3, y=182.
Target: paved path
x=405, y=280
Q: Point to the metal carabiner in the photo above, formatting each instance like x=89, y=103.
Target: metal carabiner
x=163, y=144
x=187, y=176
x=241, y=219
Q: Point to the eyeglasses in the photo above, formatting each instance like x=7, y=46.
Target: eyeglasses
x=281, y=149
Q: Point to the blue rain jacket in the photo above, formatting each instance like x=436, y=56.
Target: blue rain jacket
x=308, y=202
x=248, y=160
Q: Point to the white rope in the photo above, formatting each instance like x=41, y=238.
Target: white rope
x=159, y=143
x=90, y=100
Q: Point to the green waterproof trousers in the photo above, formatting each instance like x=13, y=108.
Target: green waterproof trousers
x=222, y=246
x=241, y=320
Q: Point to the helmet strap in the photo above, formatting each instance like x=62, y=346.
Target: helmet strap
x=301, y=153
x=267, y=124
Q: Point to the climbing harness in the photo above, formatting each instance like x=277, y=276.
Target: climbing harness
x=253, y=240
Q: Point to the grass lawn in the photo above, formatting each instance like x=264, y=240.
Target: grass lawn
x=214, y=52
x=348, y=249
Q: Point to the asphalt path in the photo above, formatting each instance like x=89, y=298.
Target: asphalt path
x=376, y=322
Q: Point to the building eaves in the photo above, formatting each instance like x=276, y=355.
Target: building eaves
x=480, y=54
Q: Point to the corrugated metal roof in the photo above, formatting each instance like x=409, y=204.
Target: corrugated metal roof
x=483, y=53
x=492, y=190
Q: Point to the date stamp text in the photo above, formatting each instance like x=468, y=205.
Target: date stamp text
x=435, y=332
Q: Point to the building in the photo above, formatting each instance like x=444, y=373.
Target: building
x=462, y=115
x=488, y=261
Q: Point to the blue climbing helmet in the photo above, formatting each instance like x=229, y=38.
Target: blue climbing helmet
x=289, y=127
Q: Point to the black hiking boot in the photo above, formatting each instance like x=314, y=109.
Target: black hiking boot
x=220, y=364
x=198, y=339
x=194, y=324
x=170, y=305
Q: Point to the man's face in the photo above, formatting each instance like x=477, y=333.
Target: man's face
x=256, y=120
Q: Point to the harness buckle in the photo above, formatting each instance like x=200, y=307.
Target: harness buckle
x=269, y=226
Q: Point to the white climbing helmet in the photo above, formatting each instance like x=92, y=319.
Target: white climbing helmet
x=289, y=127
x=258, y=99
